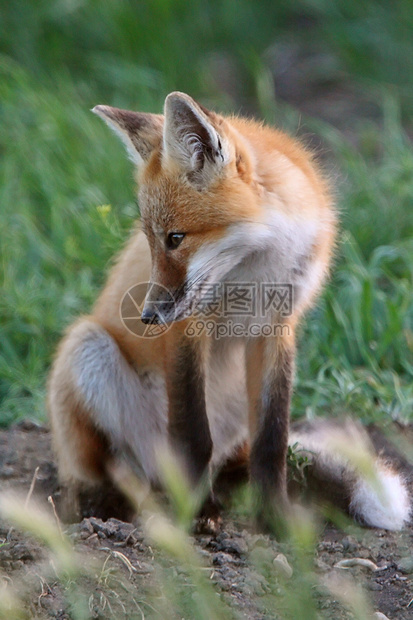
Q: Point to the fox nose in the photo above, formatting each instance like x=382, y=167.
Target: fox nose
x=149, y=316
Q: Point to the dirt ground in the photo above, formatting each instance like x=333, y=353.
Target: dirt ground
x=123, y=576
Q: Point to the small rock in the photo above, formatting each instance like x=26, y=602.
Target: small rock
x=220, y=559
x=7, y=472
x=405, y=565
x=375, y=587
x=321, y=565
x=225, y=585
x=46, y=602
x=258, y=540
x=227, y=573
x=262, y=556
x=350, y=544
x=257, y=583
x=365, y=553
x=236, y=547
x=282, y=566
x=144, y=568
x=204, y=553
x=92, y=539
x=100, y=526
x=30, y=425
x=5, y=556
x=21, y=552
x=112, y=528
x=86, y=527
x=325, y=604
x=379, y=616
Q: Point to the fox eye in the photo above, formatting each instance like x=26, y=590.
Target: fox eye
x=173, y=240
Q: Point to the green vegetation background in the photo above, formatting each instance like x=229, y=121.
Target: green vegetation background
x=66, y=190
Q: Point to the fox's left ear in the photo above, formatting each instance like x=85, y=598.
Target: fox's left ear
x=191, y=139
x=140, y=132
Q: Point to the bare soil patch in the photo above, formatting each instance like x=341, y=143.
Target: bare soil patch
x=127, y=578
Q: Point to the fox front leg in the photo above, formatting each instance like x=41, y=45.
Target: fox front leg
x=270, y=363
x=188, y=426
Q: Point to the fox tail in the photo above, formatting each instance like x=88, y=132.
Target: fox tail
x=356, y=469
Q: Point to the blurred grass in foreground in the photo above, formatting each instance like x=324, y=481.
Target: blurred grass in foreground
x=99, y=580
x=66, y=188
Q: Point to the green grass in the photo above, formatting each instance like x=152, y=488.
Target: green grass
x=357, y=346
x=61, y=168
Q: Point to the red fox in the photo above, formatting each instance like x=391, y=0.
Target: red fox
x=227, y=204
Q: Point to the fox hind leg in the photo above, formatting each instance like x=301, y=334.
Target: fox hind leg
x=102, y=410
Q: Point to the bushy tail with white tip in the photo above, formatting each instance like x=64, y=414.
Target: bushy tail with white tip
x=347, y=470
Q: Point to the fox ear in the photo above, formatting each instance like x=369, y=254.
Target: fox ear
x=192, y=139
x=141, y=133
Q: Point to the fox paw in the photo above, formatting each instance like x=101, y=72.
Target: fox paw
x=209, y=520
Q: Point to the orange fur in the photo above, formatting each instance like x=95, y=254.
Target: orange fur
x=210, y=178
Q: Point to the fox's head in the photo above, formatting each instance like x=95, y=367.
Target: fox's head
x=198, y=196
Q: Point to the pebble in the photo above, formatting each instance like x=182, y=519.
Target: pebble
x=220, y=559
x=86, y=527
x=234, y=546
x=144, y=568
x=30, y=425
x=350, y=544
x=405, y=565
x=21, y=552
x=7, y=472
x=101, y=527
x=282, y=566
x=255, y=584
x=375, y=586
x=262, y=556
x=112, y=528
x=322, y=566
x=258, y=540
